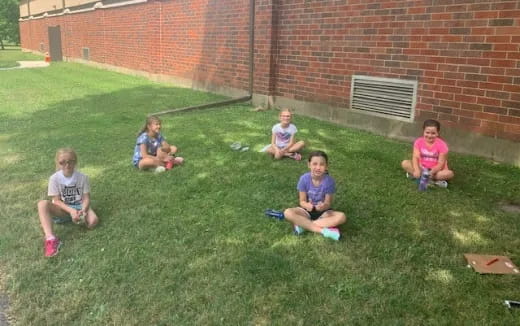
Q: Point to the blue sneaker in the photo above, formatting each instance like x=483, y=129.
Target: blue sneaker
x=331, y=233
x=298, y=230
x=274, y=213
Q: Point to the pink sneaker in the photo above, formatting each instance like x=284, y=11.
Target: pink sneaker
x=52, y=247
x=296, y=156
x=169, y=165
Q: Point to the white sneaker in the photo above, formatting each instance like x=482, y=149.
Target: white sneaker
x=159, y=169
x=441, y=183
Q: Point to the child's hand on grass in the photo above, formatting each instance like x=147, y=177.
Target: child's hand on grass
x=75, y=216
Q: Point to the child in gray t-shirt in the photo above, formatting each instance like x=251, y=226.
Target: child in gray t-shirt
x=70, y=193
x=283, y=143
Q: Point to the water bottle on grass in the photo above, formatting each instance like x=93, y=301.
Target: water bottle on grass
x=425, y=178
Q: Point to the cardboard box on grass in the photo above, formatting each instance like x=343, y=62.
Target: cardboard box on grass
x=491, y=264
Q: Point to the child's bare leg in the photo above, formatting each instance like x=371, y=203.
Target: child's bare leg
x=163, y=156
x=297, y=216
x=296, y=147
x=445, y=174
x=150, y=162
x=91, y=219
x=331, y=219
x=46, y=210
x=275, y=152
x=407, y=166
x=173, y=149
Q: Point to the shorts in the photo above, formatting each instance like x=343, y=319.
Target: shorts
x=60, y=219
x=314, y=214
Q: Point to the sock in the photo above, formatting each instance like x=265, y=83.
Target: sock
x=52, y=237
x=298, y=230
x=331, y=233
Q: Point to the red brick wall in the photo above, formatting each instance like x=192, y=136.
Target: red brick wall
x=465, y=54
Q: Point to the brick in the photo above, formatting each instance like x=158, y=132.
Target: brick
x=460, y=30
x=498, y=95
x=510, y=14
x=510, y=104
x=513, y=112
x=486, y=116
x=469, y=121
x=501, y=22
x=441, y=109
x=495, y=109
x=476, y=77
x=481, y=46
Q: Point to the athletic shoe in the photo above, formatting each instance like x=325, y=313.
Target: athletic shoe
x=274, y=213
x=296, y=156
x=169, y=165
x=159, y=169
x=331, y=233
x=441, y=183
x=298, y=230
x=52, y=247
x=235, y=146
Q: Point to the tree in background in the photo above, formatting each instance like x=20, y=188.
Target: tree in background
x=9, y=15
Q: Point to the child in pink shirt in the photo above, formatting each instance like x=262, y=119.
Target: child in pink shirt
x=430, y=152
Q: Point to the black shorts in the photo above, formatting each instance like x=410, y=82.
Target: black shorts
x=314, y=214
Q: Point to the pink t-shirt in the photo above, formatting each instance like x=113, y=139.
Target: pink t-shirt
x=430, y=154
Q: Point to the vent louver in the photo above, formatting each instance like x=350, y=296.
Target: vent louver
x=393, y=98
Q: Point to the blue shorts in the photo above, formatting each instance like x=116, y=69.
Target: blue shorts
x=66, y=219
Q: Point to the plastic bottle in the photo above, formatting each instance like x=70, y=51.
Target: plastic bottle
x=274, y=214
x=423, y=181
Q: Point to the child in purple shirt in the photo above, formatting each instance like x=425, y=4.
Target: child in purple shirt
x=316, y=191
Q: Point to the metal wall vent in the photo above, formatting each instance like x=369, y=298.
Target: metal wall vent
x=85, y=53
x=392, y=98
x=42, y=47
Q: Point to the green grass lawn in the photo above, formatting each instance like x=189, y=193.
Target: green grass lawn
x=11, y=54
x=192, y=247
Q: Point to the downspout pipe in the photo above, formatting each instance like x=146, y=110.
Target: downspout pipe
x=251, y=73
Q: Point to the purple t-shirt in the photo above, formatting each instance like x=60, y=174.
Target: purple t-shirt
x=316, y=194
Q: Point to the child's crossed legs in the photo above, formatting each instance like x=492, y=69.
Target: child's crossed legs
x=299, y=216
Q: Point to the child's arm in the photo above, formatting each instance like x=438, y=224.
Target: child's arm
x=326, y=204
x=303, y=201
x=440, y=163
x=85, y=203
x=273, y=140
x=415, y=163
x=56, y=200
x=144, y=154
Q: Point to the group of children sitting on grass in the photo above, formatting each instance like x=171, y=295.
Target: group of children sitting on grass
x=70, y=189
